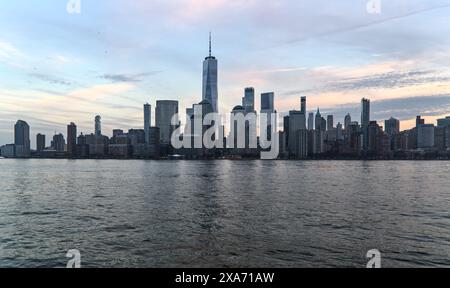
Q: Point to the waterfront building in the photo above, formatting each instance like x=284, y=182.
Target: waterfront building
x=82, y=147
x=354, y=138
x=165, y=111
x=98, y=145
x=297, y=122
x=198, y=149
x=40, y=142
x=447, y=137
x=301, y=143
x=286, y=130
x=425, y=136
x=22, y=139
x=119, y=147
x=153, y=143
x=72, y=140
x=147, y=120
x=365, y=121
x=439, y=137
x=8, y=151
x=58, y=143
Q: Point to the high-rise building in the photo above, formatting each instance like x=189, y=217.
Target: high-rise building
x=249, y=100
x=425, y=136
x=439, y=137
x=72, y=139
x=267, y=102
x=242, y=135
x=374, y=130
x=444, y=122
x=268, y=108
x=22, y=139
x=165, y=111
x=339, y=134
x=419, y=121
x=303, y=104
x=365, y=121
x=311, y=121
x=330, y=122
x=196, y=133
x=98, y=125
x=147, y=121
x=117, y=132
x=347, y=121
x=58, y=142
x=392, y=126
x=320, y=122
x=210, y=90
x=40, y=142
x=297, y=131
x=319, y=133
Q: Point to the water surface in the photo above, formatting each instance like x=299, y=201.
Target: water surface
x=224, y=213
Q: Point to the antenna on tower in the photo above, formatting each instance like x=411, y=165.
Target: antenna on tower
x=209, y=44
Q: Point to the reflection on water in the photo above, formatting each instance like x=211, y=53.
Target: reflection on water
x=224, y=213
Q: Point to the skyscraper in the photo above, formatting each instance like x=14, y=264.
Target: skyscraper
x=347, y=121
x=210, y=72
x=425, y=136
x=320, y=122
x=267, y=102
x=303, y=105
x=165, y=110
x=98, y=125
x=311, y=121
x=72, y=139
x=330, y=122
x=249, y=100
x=40, y=142
x=22, y=139
x=392, y=126
x=147, y=121
x=444, y=122
x=58, y=142
x=419, y=121
x=339, y=135
x=297, y=129
x=365, y=120
x=268, y=108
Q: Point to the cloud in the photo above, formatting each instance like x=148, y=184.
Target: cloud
x=50, y=79
x=133, y=78
x=11, y=55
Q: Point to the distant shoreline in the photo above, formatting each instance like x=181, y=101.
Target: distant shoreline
x=238, y=160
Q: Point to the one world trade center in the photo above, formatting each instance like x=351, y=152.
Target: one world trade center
x=210, y=79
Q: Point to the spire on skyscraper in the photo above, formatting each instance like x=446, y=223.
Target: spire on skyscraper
x=210, y=50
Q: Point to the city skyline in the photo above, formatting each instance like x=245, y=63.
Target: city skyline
x=77, y=69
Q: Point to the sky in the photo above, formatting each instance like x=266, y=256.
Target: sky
x=58, y=67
